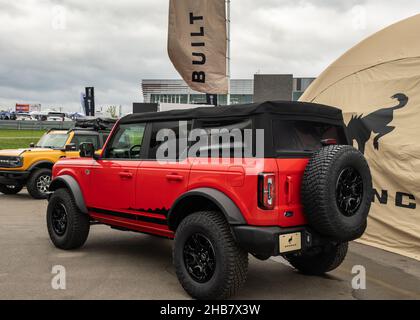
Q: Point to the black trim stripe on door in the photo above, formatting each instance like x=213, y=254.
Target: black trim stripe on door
x=129, y=216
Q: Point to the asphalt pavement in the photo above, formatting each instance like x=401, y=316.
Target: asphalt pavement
x=125, y=265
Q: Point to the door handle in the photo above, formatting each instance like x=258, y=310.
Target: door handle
x=126, y=175
x=174, y=177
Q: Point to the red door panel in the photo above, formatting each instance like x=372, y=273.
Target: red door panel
x=159, y=184
x=113, y=183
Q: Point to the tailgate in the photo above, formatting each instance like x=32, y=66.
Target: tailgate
x=290, y=174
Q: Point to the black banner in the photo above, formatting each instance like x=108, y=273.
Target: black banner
x=250, y=309
x=211, y=99
x=90, y=101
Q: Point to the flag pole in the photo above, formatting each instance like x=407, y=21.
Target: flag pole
x=228, y=56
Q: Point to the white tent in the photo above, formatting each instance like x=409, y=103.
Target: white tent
x=377, y=85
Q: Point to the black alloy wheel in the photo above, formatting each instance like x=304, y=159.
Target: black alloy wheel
x=199, y=258
x=349, y=191
x=59, y=219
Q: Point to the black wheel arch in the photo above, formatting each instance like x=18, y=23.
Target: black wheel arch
x=204, y=199
x=68, y=182
x=41, y=165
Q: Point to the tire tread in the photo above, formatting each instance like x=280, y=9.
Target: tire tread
x=237, y=262
x=79, y=227
x=316, y=196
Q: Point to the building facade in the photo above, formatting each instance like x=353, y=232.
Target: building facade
x=242, y=91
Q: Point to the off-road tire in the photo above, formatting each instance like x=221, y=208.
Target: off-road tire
x=78, y=224
x=230, y=260
x=330, y=258
x=319, y=192
x=31, y=185
x=10, y=189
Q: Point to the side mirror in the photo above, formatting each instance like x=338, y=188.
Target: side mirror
x=87, y=150
x=70, y=147
x=32, y=145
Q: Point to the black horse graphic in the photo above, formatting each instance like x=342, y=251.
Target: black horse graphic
x=360, y=128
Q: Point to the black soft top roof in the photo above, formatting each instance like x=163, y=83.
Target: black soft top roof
x=309, y=111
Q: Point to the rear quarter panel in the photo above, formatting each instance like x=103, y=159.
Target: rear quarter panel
x=239, y=181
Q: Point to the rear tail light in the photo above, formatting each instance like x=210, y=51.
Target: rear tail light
x=266, y=190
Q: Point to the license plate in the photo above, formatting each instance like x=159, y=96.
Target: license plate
x=290, y=242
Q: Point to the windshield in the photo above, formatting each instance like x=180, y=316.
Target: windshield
x=54, y=141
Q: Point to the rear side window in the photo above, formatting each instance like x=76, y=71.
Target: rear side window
x=304, y=136
x=79, y=139
x=167, y=136
x=237, y=141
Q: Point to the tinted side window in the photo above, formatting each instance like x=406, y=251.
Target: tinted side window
x=79, y=139
x=167, y=134
x=237, y=139
x=126, y=143
x=298, y=135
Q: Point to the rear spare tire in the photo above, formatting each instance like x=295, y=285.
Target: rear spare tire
x=337, y=192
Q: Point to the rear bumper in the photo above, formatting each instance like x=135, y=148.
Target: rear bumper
x=12, y=177
x=264, y=241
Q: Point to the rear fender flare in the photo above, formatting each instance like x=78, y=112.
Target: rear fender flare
x=226, y=206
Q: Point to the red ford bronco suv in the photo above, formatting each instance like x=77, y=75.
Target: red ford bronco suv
x=268, y=179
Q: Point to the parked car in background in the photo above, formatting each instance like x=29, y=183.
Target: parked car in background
x=4, y=115
x=76, y=116
x=7, y=115
x=32, y=167
x=58, y=116
x=24, y=117
x=39, y=115
x=55, y=118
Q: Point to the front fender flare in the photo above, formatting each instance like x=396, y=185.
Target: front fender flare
x=70, y=183
x=45, y=163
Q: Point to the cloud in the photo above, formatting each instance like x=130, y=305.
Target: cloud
x=52, y=49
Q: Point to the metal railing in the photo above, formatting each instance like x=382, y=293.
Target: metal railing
x=35, y=125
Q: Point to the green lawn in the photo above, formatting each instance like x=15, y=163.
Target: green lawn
x=15, y=139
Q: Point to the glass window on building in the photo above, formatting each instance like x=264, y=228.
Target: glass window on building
x=240, y=98
x=222, y=99
x=235, y=99
x=169, y=98
x=297, y=95
x=198, y=99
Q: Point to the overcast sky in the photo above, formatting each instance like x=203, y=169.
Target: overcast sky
x=51, y=49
